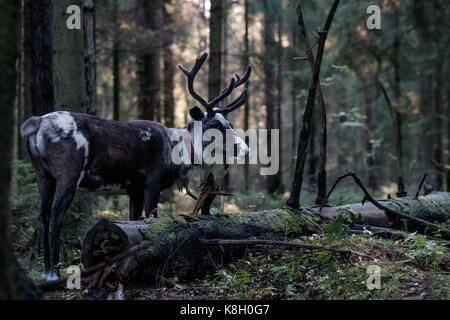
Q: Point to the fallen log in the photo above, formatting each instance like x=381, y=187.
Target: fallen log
x=434, y=208
x=179, y=244
x=178, y=240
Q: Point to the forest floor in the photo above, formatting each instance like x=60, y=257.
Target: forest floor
x=412, y=267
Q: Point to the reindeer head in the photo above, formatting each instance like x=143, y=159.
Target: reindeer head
x=214, y=119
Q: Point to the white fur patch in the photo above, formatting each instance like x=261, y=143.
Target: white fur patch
x=221, y=118
x=60, y=125
x=146, y=135
x=49, y=276
x=242, y=146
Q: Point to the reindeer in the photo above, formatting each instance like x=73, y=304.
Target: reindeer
x=71, y=151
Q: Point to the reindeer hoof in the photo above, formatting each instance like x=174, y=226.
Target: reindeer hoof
x=50, y=276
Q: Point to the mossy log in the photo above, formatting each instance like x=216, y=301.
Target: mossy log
x=179, y=247
x=434, y=207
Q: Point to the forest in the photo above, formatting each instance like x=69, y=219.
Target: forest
x=349, y=101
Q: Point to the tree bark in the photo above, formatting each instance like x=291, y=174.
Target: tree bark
x=279, y=85
x=179, y=244
x=215, y=49
x=89, y=55
x=24, y=95
x=273, y=181
x=437, y=122
x=368, y=99
x=68, y=60
x=116, y=64
x=322, y=172
x=14, y=284
x=224, y=74
x=169, y=67
x=38, y=38
x=245, y=63
x=178, y=247
x=302, y=150
x=148, y=59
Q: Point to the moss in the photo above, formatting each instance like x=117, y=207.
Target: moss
x=326, y=275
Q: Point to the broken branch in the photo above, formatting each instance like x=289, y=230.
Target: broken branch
x=432, y=226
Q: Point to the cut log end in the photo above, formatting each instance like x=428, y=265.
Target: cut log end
x=107, y=239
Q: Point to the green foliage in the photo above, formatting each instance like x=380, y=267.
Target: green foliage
x=259, y=200
x=291, y=274
x=423, y=253
x=24, y=190
x=336, y=229
x=25, y=204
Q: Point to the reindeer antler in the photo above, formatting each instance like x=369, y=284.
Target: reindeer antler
x=242, y=98
x=209, y=106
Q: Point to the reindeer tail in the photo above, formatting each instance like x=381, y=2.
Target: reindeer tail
x=30, y=126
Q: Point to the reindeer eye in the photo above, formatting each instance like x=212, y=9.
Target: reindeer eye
x=216, y=125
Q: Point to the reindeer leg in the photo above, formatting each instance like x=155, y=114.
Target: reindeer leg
x=47, y=186
x=136, y=204
x=66, y=193
x=151, y=197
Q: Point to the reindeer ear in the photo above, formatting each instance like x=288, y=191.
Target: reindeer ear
x=196, y=113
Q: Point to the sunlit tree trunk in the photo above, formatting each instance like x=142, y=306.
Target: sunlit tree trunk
x=215, y=48
x=279, y=85
x=148, y=59
x=169, y=65
x=68, y=61
x=273, y=181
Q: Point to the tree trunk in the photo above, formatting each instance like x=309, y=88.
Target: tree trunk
x=279, y=85
x=368, y=99
x=14, y=284
x=68, y=60
x=273, y=181
x=116, y=64
x=447, y=177
x=396, y=56
x=215, y=48
x=39, y=42
x=89, y=55
x=169, y=67
x=294, y=89
x=224, y=73
x=177, y=241
x=25, y=78
x=148, y=59
x=312, y=154
x=302, y=149
x=245, y=63
x=437, y=123
x=178, y=246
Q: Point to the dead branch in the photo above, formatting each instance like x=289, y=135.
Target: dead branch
x=439, y=166
x=396, y=123
x=219, y=242
x=294, y=199
x=421, y=184
x=208, y=191
x=322, y=174
x=393, y=212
